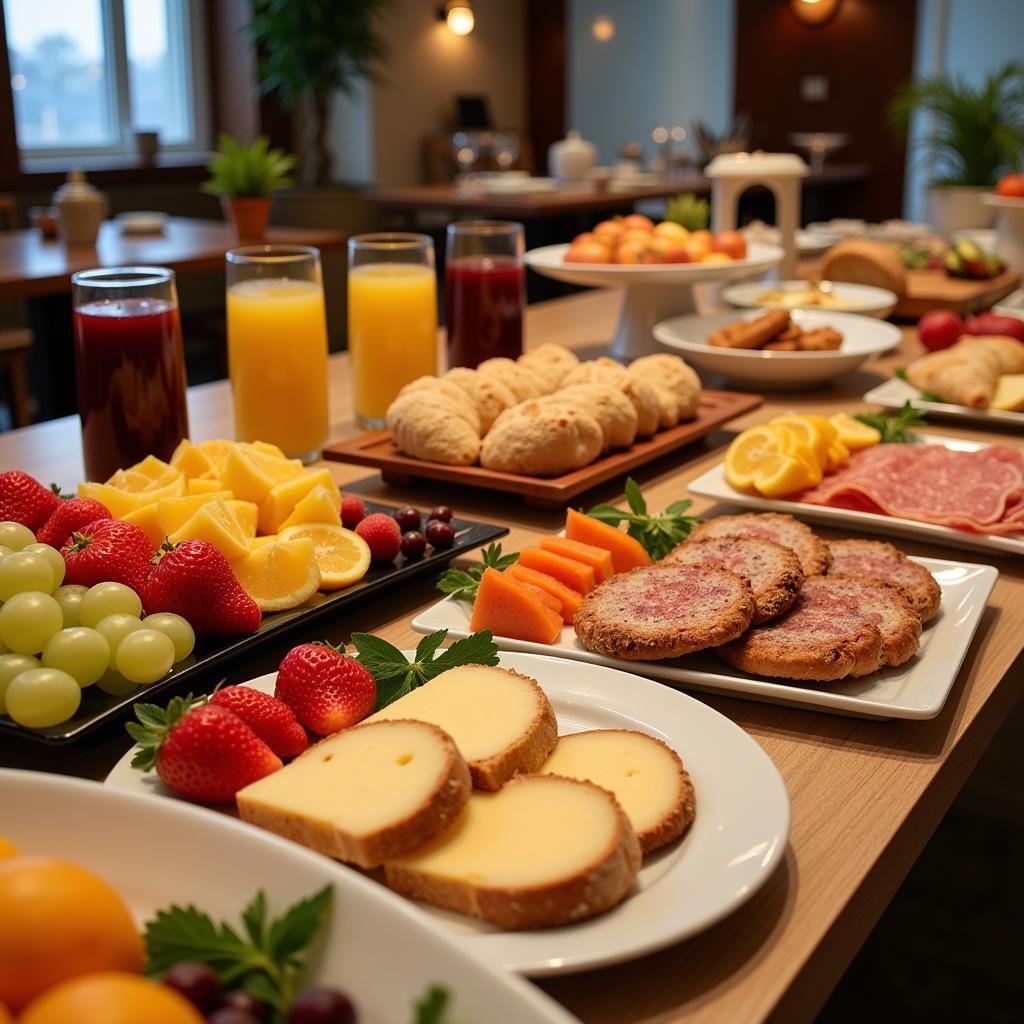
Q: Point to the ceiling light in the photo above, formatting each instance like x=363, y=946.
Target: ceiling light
x=814, y=13
x=603, y=28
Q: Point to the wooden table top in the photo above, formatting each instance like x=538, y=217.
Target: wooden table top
x=866, y=795
x=32, y=265
x=568, y=200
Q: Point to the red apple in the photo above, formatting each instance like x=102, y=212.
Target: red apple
x=631, y=252
x=732, y=243
x=637, y=221
x=610, y=229
x=1011, y=185
x=939, y=329
x=993, y=323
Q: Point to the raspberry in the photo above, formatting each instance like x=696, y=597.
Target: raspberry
x=383, y=536
x=353, y=511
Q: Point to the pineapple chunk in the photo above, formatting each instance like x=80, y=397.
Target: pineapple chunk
x=279, y=503
x=319, y=506
x=148, y=520
x=215, y=522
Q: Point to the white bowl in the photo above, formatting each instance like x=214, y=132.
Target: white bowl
x=863, y=337
x=853, y=298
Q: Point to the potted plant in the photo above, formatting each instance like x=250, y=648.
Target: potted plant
x=974, y=135
x=245, y=177
x=309, y=50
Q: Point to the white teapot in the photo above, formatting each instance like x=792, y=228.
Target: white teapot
x=572, y=158
x=81, y=208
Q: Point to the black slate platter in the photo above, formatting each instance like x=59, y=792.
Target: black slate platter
x=214, y=656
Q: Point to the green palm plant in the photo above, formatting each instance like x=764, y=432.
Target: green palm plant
x=975, y=133
x=239, y=171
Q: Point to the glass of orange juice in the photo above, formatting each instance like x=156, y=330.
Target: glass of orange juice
x=277, y=347
x=392, y=318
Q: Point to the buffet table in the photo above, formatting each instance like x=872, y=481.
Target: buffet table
x=866, y=795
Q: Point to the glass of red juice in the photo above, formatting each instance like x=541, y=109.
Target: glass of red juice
x=130, y=366
x=485, y=291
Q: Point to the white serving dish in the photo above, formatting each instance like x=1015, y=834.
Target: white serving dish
x=808, y=243
x=863, y=299
x=376, y=946
x=141, y=222
x=917, y=689
x=736, y=842
x=517, y=186
x=863, y=337
x=895, y=392
x=713, y=484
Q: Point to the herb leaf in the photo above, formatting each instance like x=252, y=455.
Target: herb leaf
x=658, y=534
x=463, y=585
x=431, y=1007
x=895, y=429
x=396, y=676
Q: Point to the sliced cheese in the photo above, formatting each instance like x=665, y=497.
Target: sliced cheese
x=1009, y=396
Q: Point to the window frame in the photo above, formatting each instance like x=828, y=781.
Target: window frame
x=196, y=80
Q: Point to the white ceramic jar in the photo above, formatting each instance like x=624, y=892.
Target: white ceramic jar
x=572, y=158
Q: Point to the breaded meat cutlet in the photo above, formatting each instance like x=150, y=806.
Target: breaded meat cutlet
x=773, y=572
x=782, y=529
x=664, y=611
x=876, y=560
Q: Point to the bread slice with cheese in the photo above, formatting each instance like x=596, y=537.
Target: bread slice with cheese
x=501, y=721
x=644, y=774
x=365, y=794
x=543, y=851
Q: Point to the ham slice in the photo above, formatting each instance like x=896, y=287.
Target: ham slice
x=978, y=491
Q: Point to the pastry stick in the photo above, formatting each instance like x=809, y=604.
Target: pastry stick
x=751, y=333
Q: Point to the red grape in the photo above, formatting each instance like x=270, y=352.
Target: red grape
x=442, y=512
x=407, y=518
x=323, y=1006
x=196, y=982
x=232, y=1015
x=440, y=534
x=242, y=1000
x=414, y=544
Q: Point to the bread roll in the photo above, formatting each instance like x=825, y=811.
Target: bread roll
x=550, y=362
x=488, y=394
x=542, y=439
x=429, y=425
x=520, y=380
x=642, y=393
x=608, y=405
x=862, y=262
x=448, y=388
x=670, y=371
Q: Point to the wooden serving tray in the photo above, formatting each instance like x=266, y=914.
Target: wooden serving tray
x=935, y=289
x=376, y=449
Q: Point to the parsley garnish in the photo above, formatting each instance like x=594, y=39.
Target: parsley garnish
x=396, y=676
x=658, y=534
x=895, y=429
x=431, y=1009
x=464, y=585
x=265, y=957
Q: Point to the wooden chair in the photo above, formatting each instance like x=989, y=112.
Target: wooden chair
x=15, y=344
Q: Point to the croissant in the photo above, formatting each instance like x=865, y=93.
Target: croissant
x=967, y=373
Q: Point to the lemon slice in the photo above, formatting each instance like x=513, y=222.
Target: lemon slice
x=838, y=455
x=792, y=443
x=810, y=434
x=279, y=575
x=779, y=475
x=342, y=556
x=854, y=434
x=746, y=453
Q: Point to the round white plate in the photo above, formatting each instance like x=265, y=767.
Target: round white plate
x=808, y=243
x=736, y=842
x=520, y=185
x=141, y=222
x=158, y=852
x=863, y=337
x=550, y=260
x=853, y=298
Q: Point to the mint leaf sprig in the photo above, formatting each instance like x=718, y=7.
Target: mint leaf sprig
x=266, y=957
x=896, y=429
x=463, y=585
x=396, y=676
x=658, y=534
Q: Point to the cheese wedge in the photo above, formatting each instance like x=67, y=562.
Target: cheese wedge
x=542, y=851
x=364, y=794
x=1009, y=396
x=501, y=721
x=645, y=775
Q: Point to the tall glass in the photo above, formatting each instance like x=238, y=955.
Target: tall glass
x=485, y=288
x=277, y=347
x=392, y=318
x=130, y=366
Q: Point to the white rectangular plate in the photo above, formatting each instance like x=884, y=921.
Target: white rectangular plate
x=917, y=689
x=713, y=484
x=894, y=392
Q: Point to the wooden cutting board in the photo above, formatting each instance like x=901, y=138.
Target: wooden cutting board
x=935, y=289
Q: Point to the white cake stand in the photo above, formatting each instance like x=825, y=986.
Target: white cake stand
x=654, y=292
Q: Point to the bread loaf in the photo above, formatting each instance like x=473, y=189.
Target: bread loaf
x=427, y=424
x=542, y=439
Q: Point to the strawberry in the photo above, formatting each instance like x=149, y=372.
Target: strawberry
x=326, y=690
x=271, y=719
x=107, y=550
x=23, y=499
x=195, y=580
x=203, y=752
x=353, y=511
x=70, y=515
x=383, y=536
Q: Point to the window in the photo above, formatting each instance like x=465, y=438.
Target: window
x=87, y=74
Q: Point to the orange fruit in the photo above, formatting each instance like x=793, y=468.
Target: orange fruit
x=7, y=849
x=342, y=557
x=59, y=921
x=5, y=1017
x=279, y=575
x=113, y=998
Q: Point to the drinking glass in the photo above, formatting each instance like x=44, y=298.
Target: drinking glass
x=485, y=291
x=130, y=366
x=505, y=149
x=392, y=318
x=277, y=347
x=466, y=150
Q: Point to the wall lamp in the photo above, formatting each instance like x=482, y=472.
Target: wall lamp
x=458, y=15
x=814, y=13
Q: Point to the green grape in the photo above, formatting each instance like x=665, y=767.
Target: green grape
x=24, y=571
x=115, y=628
x=42, y=697
x=15, y=536
x=54, y=557
x=83, y=653
x=181, y=634
x=69, y=597
x=105, y=599
x=5, y=551
x=115, y=684
x=145, y=656
x=28, y=620
x=12, y=665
